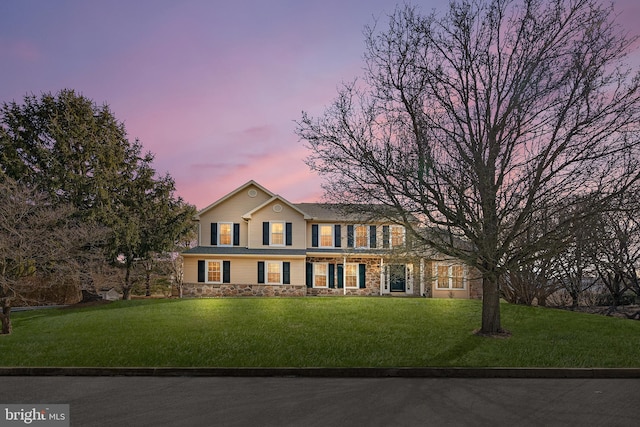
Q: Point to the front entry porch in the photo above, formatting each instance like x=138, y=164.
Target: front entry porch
x=397, y=279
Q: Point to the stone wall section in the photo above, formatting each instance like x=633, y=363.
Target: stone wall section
x=372, y=277
x=475, y=285
x=204, y=290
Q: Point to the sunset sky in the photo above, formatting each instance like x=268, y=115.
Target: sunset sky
x=211, y=87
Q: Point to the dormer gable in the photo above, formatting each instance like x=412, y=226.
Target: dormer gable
x=276, y=203
x=248, y=196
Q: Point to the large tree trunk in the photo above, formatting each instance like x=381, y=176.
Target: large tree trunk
x=490, y=307
x=5, y=318
x=148, y=282
x=126, y=288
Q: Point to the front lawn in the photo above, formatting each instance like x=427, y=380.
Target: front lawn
x=314, y=332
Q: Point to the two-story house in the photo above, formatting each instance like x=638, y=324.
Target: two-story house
x=252, y=242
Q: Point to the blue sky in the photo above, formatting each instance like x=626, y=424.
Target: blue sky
x=211, y=87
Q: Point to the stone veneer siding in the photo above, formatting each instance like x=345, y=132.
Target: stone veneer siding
x=203, y=290
x=475, y=288
x=372, y=277
x=199, y=290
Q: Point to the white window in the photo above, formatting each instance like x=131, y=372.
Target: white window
x=277, y=233
x=225, y=234
x=351, y=276
x=214, y=271
x=361, y=233
x=397, y=236
x=326, y=235
x=274, y=272
x=320, y=275
x=450, y=276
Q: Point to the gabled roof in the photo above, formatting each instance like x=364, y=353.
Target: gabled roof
x=271, y=200
x=234, y=192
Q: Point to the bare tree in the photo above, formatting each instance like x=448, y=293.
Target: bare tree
x=575, y=264
x=474, y=120
x=40, y=245
x=616, y=249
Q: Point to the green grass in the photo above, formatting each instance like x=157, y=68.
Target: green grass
x=314, y=332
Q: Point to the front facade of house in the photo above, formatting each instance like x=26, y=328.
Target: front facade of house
x=252, y=242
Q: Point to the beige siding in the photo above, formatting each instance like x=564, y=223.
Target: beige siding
x=450, y=293
x=244, y=270
x=190, y=266
x=268, y=214
x=231, y=210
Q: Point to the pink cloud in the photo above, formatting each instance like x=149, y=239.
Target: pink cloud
x=22, y=50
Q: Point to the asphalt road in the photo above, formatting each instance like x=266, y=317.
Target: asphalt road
x=276, y=401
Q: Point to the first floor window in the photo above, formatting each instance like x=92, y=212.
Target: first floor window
x=351, y=275
x=273, y=273
x=320, y=274
x=450, y=276
x=214, y=271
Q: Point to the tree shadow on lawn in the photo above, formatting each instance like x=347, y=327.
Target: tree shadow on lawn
x=456, y=352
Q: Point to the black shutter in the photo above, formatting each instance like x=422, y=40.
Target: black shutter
x=309, y=275
x=260, y=271
x=236, y=234
x=214, y=234
x=363, y=275
x=372, y=236
x=289, y=233
x=226, y=271
x=201, y=270
x=340, y=276
x=265, y=233
x=314, y=235
x=337, y=237
x=332, y=275
x=286, y=273
x=385, y=236
x=349, y=236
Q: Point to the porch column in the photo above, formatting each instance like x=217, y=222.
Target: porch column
x=381, y=274
x=344, y=275
x=421, y=276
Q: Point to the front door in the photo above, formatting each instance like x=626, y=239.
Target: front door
x=397, y=277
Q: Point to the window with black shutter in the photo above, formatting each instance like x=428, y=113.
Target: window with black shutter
x=261, y=271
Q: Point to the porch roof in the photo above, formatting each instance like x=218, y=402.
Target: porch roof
x=235, y=250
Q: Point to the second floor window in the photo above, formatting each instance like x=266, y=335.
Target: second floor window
x=361, y=236
x=397, y=236
x=277, y=233
x=326, y=236
x=225, y=236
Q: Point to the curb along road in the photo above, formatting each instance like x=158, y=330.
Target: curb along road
x=595, y=373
